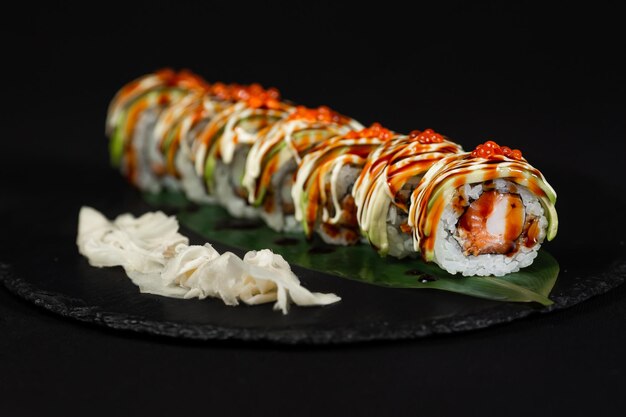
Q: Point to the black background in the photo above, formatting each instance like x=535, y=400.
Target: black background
x=548, y=81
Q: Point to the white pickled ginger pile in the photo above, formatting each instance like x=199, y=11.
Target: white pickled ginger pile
x=159, y=260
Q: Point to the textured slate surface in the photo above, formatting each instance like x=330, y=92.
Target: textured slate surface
x=67, y=286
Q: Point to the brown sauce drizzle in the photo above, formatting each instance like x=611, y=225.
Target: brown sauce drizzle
x=288, y=208
x=287, y=241
x=192, y=207
x=329, y=202
x=405, y=228
x=348, y=216
x=238, y=224
x=322, y=249
x=422, y=277
x=330, y=230
x=531, y=233
x=459, y=203
x=268, y=202
x=241, y=192
x=347, y=233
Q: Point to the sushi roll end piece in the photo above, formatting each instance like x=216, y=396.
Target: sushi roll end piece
x=484, y=212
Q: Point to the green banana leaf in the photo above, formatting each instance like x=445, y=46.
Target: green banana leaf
x=360, y=262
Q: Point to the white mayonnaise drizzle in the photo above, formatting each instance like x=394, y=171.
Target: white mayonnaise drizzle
x=116, y=107
x=310, y=163
x=281, y=130
x=234, y=135
x=203, y=148
x=284, y=131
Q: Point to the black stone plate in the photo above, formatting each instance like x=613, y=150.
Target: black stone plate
x=48, y=271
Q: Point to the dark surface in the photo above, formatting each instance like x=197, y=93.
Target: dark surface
x=60, y=280
x=549, y=82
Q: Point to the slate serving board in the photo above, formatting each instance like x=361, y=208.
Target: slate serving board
x=58, y=279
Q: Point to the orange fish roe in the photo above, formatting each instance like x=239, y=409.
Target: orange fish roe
x=321, y=114
x=490, y=149
x=184, y=78
x=374, y=131
x=254, y=95
x=426, y=137
x=165, y=73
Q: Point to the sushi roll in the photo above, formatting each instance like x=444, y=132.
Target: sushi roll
x=273, y=160
x=322, y=190
x=383, y=189
x=484, y=212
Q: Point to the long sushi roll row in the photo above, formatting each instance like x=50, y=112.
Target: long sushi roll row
x=484, y=212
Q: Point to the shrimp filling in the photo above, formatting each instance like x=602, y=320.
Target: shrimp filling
x=492, y=224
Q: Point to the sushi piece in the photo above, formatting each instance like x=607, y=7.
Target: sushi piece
x=180, y=141
x=383, y=189
x=484, y=212
x=132, y=118
x=322, y=190
x=273, y=160
x=224, y=143
x=170, y=141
